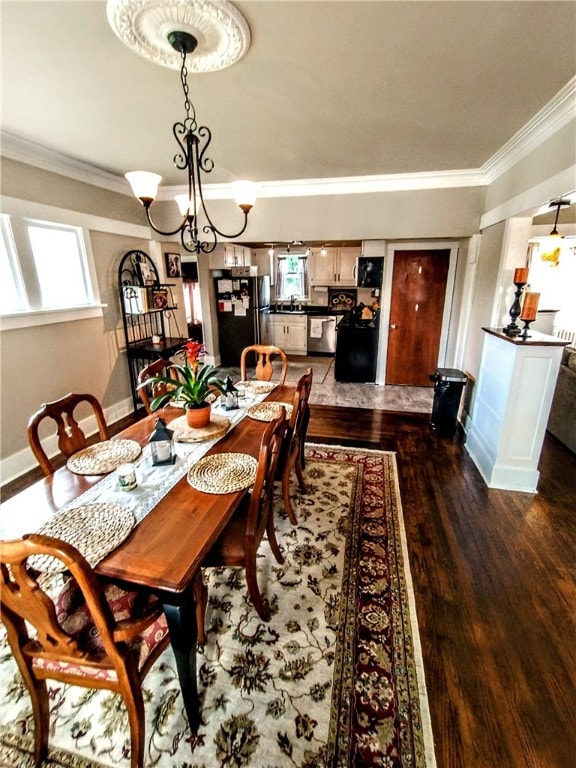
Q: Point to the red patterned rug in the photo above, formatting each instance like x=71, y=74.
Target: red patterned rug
x=333, y=680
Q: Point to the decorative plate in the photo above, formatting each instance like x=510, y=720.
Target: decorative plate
x=223, y=473
x=104, y=457
x=268, y=411
x=94, y=529
x=218, y=426
x=258, y=387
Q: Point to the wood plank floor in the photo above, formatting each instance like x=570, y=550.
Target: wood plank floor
x=494, y=580
x=493, y=574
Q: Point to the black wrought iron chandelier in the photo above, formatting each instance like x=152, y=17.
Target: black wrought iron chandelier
x=193, y=140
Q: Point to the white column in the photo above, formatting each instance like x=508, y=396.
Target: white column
x=513, y=397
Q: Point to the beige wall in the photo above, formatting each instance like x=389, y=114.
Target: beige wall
x=28, y=183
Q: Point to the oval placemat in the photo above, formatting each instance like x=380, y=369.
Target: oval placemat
x=258, y=387
x=94, y=529
x=218, y=426
x=223, y=473
x=104, y=457
x=268, y=411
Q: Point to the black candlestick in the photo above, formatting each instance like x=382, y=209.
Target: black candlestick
x=525, y=334
x=512, y=329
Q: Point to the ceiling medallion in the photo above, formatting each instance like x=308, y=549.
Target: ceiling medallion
x=221, y=31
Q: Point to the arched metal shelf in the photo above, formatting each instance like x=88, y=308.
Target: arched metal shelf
x=145, y=304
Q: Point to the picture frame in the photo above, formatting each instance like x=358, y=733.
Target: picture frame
x=173, y=265
x=147, y=276
x=160, y=298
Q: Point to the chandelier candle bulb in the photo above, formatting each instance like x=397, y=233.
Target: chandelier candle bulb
x=530, y=306
x=521, y=275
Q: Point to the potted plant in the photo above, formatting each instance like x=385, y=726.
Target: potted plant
x=191, y=390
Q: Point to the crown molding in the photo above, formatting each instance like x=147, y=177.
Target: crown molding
x=30, y=153
x=555, y=115
x=559, y=111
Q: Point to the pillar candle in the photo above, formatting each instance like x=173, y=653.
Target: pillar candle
x=521, y=275
x=530, y=306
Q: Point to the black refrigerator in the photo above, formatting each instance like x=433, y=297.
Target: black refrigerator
x=241, y=302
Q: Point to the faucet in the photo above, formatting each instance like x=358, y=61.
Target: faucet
x=292, y=302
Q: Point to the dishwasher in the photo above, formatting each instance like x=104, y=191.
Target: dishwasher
x=321, y=334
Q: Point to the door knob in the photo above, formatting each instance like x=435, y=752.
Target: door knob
x=393, y=326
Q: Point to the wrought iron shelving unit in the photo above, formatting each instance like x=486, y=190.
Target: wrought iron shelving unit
x=146, y=304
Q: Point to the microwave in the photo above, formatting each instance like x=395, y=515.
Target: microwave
x=370, y=271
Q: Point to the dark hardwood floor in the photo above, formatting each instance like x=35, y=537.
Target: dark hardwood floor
x=494, y=581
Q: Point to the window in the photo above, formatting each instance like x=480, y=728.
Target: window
x=60, y=264
x=292, y=277
x=12, y=294
x=45, y=273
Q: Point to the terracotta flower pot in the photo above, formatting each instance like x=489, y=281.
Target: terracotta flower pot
x=199, y=417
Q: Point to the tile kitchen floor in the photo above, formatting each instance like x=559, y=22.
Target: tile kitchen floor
x=386, y=398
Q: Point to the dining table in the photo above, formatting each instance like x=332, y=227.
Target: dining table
x=165, y=549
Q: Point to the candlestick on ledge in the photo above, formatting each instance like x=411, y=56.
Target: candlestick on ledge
x=520, y=280
x=529, y=311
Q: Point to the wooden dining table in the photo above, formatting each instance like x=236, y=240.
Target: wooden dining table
x=164, y=551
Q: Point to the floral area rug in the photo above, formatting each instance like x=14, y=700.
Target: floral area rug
x=333, y=679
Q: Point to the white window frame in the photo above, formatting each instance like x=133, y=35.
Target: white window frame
x=13, y=265
x=303, y=275
x=21, y=214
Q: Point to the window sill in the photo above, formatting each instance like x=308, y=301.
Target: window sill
x=49, y=316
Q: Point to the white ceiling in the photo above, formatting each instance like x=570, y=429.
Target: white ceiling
x=327, y=89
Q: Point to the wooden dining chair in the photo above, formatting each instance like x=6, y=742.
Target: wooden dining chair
x=84, y=633
x=71, y=438
x=264, y=356
x=156, y=368
x=292, y=453
x=238, y=543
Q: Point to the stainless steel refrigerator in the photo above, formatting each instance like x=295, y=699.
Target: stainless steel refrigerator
x=241, y=303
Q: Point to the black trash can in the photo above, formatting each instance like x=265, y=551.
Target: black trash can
x=448, y=385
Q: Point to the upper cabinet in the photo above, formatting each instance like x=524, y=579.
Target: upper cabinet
x=337, y=266
x=262, y=260
x=227, y=255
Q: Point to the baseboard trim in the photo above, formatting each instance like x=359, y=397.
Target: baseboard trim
x=16, y=465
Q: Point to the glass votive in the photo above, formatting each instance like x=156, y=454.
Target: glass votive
x=126, y=474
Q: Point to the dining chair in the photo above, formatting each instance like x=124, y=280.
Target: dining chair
x=292, y=453
x=71, y=438
x=84, y=633
x=264, y=355
x=237, y=545
x=159, y=367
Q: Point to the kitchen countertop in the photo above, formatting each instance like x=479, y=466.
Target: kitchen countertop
x=308, y=310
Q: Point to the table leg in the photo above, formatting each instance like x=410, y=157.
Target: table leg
x=181, y=619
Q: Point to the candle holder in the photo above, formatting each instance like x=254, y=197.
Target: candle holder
x=525, y=334
x=512, y=329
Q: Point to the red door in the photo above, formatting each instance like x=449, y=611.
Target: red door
x=416, y=312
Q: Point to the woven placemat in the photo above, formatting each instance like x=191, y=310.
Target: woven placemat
x=223, y=473
x=104, y=457
x=218, y=426
x=257, y=387
x=94, y=529
x=268, y=411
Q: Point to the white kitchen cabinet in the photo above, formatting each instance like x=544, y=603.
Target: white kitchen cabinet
x=227, y=255
x=337, y=266
x=261, y=259
x=289, y=332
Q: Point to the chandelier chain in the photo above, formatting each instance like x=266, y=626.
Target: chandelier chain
x=188, y=106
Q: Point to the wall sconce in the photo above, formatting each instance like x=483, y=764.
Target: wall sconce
x=161, y=444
